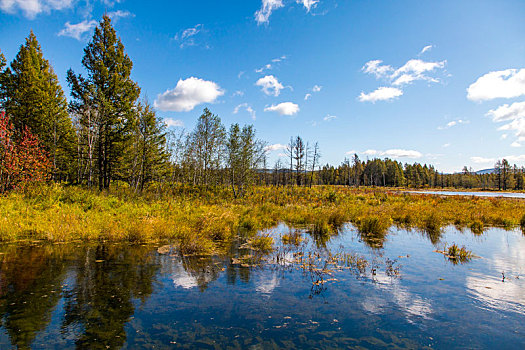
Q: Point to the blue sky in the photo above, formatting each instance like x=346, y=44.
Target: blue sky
x=439, y=82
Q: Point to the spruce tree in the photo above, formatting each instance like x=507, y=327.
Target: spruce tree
x=108, y=94
x=33, y=98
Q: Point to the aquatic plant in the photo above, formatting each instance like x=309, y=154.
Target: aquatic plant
x=456, y=253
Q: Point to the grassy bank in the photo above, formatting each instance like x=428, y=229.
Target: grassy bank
x=204, y=220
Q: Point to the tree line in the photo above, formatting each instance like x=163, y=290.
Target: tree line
x=107, y=133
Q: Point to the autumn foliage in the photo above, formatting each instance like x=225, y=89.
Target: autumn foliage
x=22, y=159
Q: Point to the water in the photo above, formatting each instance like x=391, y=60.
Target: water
x=393, y=291
x=475, y=194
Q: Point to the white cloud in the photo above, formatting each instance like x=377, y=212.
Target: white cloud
x=329, y=118
x=31, y=8
x=515, y=144
x=285, y=108
x=247, y=108
x=507, y=83
x=268, y=6
x=188, y=94
x=381, y=94
x=508, y=112
x=307, y=96
x=270, y=85
x=173, y=122
x=115, y=15
x=453, y=123
x=317, y=88
x=370, y=152
x=425, y=49
x=376, y=68
x=482, y=160
x=262, y=69
x=414, y=70
x=238, y=93
x=275, y=147
x=308, y=4
x=351, y=152
x=393, y=153
x=186, y=37
x=270, y=65
x=77, y=30
x=401, y=153
x=514, y=115
x=446, y=145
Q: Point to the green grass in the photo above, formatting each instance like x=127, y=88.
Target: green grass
x=203, y=220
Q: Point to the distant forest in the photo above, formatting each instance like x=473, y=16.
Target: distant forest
x=108, y=134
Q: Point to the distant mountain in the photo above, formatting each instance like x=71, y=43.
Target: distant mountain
x=486, y=171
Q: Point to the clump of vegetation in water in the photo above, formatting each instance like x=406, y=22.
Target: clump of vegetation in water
x=373, y=225
x=458, y=254
x=293, y=238
x=261, y=243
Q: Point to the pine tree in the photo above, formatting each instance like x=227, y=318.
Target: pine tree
x=33, y=98
x=108, y=94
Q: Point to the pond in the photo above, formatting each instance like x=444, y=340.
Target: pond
x=346, y=290
x=475, y=194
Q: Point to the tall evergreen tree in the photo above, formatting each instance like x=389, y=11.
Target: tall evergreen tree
x=109, y=91
x=34, y=98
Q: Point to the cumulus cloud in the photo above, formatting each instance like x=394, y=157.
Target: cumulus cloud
x=307, y=97
x=329, y=118
x=170, y=122
x=513, y=115
x=31, y=8
x=270, y=85
x=267, y=7
x=77, y=30
x=381, y=94
x=507, y=83
x=453, y=123
x=285, y=108
x=186, y=37
x=317, y=88
x=412, y=71
x=247, y=108
x=275, y=147
x=515, y=144
x=188, y=94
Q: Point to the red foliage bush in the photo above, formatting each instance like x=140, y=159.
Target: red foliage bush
x=22, y=159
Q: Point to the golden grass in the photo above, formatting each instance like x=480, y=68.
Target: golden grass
x=202, y=220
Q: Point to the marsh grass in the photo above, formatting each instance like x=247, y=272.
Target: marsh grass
x=201, y=220
x=457, y=254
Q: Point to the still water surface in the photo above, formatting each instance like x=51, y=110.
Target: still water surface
x=474, y=194
x=348, y=291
